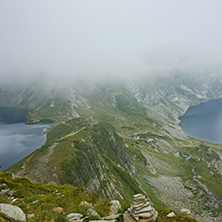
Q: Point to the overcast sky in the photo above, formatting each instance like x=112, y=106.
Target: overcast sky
x=101, y=37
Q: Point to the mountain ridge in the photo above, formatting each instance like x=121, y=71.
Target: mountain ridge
x=123, y=137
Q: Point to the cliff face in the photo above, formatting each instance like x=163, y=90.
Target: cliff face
x=123, y=138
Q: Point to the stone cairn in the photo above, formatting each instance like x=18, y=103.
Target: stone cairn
x=140, y=210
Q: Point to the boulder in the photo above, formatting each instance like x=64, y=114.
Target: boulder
x=12, y=212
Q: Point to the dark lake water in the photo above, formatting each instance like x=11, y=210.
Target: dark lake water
x=204, y=121
x=18, y=140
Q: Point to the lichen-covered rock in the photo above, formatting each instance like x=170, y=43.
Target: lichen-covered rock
x=12, y=212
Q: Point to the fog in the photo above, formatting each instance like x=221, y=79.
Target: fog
x=95, y=39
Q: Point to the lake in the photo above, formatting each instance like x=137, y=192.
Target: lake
x=204, y=121
x=17, y=140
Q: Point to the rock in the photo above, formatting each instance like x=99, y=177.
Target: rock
x=102, y=221
x=85, y=204
x=185, y=211
x=7, y=192
x=151, y=219
x=34, y=202
x=73, y=216
x=12, y=212
x=128, y=218
x=172, y=214
x=92, y=212
x=13, y=201
x=141, y=209
x=29, y=216
x=115, y=207
x=58, y=210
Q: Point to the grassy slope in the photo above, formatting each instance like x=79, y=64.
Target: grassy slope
x=40, y=199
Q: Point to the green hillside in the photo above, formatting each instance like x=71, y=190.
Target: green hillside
x=122, y=138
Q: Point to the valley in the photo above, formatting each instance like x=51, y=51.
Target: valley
x=122, y=137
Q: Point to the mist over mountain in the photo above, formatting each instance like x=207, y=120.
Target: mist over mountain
x=94, y=40
x=114, y=77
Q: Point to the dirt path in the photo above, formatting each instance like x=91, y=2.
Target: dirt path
x=71, y=134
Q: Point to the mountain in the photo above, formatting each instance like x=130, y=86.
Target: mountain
x=121, y=137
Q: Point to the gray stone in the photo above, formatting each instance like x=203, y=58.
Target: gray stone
x=144, y=209
x=7, y=192
x=143, y=214
x=74, y=216
x=34, y=202
x=172, y=214
x=140, y=206
x=92, y=212
x=128, y=218
x=12, y=212
x=115, y=207
x=136, y=196
x=141, y=210
x=29, y=216
x=151, y=219
x=185, y=211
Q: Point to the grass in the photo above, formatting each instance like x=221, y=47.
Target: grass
x=40, y=199
x=162, y=216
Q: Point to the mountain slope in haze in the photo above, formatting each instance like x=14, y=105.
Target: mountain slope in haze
x=123, y=137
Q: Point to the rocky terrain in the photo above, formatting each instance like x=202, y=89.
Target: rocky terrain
x=21, y=200
x=123, y=138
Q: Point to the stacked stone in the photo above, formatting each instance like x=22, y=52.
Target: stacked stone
x=141, y=209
